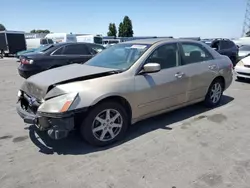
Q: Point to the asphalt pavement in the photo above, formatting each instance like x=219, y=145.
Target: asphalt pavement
x=189, y=148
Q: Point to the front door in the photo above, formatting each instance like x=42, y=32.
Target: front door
x=200, y=67
x=164, y=89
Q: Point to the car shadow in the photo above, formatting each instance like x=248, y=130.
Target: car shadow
x=74, y=145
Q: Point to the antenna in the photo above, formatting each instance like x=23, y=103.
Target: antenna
x=246, y=24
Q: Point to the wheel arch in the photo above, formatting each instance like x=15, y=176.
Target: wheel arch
x=115, y=98
x=221, y=78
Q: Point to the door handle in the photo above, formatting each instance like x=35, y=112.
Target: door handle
x=212, y=67
x=179, y=74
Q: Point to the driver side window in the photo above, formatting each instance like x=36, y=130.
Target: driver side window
x=167, y=56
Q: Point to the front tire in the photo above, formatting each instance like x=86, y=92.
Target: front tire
x=105, y=124
x=214, y=94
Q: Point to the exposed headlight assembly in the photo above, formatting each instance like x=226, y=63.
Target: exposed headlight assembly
x=58, y=104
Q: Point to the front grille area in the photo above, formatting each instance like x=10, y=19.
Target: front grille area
x=243, y=73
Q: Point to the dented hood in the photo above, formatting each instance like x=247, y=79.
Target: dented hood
x=38, y=85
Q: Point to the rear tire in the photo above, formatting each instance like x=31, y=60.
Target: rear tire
x=105, y=124
x=214, y=93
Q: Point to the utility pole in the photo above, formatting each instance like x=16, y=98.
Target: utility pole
x=246, y=24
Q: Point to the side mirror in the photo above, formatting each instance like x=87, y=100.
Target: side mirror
x=151, y=68
x=215, y=49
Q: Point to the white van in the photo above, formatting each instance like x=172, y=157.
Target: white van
x=37, y=42
x=90, y=39
x=61, y=37
x=242, y=41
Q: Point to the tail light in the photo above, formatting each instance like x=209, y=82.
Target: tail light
x=231, y=66
x=27, y=61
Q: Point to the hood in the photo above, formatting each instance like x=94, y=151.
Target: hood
x=39, y=84
x=243, y=53
x=246, y=60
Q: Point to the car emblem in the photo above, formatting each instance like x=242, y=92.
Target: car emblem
x=31, y=101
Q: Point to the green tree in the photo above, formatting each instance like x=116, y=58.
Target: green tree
x=127, y=27
x=120, y=30
x=39, y=31
x=2, y=28
x=112, y=30
x=248, y=34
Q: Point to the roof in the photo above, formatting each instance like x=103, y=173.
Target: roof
x=156, y=40
x=7, y=31
x=149, y=41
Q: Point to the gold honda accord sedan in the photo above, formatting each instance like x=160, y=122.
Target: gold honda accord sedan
x=121, y=85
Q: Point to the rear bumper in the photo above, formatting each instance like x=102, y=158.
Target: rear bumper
x=56, y=127
x=26, y=73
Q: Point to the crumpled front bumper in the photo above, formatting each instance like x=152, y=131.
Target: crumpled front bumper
x=56, y=127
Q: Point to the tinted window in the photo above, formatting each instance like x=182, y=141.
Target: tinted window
x=50, y=41
x=58, y=51
x=76, y=49
x=167, y=56
x=224, y=45
x=43, y=41
x=194, y=53
x=231, y=44
x=94, y=49
x=98, y=40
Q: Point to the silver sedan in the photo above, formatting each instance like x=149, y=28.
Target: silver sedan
x=123, y=84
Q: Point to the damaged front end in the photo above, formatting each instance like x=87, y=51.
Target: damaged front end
x=54, y=116
x=50, y=100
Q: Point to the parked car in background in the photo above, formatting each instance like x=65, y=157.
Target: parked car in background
x=56, y=55
x=123, y=84
x=97, y=39
x=244, y=50
x=61, y=37
x=242, y=68
x=37, y=42
x=33, y=50
x=226, y=47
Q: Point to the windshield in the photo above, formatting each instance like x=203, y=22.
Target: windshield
x=244, y=48
x=43, y=48
x=120, y=56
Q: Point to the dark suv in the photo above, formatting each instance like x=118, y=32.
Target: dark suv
x=225, y=47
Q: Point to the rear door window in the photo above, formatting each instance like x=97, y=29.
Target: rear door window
x=194, y=53
x=224, y=45
x=50, y=41
x=75, y=49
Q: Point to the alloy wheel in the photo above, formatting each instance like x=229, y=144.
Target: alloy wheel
x=216, y=92
x=107, y=125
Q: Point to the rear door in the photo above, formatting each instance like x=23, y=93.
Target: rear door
x=76, y=53
x=200, y=67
